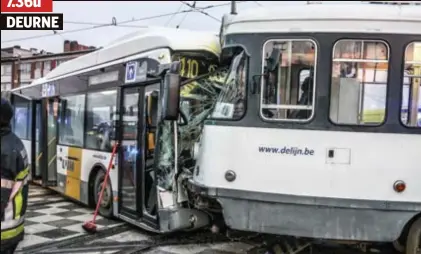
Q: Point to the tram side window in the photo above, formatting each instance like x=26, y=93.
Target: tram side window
x=21, y=122
x=71, y=120
x=411, y=95
x=285, y=95
x=359, y=82
x=101, y=113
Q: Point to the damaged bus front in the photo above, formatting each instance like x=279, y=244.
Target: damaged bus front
x=185, y=106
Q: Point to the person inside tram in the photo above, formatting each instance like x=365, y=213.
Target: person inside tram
x=306, y=97
x=348, y=70
x=307, y=89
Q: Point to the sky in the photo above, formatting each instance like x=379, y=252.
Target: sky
x=83, y=16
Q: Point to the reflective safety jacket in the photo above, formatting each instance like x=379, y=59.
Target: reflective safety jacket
x=14, y=181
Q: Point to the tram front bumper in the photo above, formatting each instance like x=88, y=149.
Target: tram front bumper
x=312, y=217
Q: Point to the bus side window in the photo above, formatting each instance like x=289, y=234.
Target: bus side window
x=411, y=94
x=21, y=121
x=285, y=95
x=71, y=122
x=99, y=122
x=359, y=80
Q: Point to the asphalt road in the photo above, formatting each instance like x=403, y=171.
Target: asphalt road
x=54, y=225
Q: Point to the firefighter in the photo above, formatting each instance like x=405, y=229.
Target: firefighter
x=14, y=183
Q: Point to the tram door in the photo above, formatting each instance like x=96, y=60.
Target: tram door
x=44, y=140
x=137, y=192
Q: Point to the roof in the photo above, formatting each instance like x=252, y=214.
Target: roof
x=55, y=55
x=5, y=54
x=137, y=43
x=353, y=18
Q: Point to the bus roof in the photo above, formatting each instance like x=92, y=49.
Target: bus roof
x=330, y=18
x=132, y=44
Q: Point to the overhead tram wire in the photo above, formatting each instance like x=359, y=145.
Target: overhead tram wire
x=119, y=24
x=158, y=16
x=182, y=19
x=171, y=18
x=193, y=7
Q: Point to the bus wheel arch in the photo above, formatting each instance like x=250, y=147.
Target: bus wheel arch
x=96, y=177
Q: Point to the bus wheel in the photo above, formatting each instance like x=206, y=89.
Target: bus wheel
x=106, y=206
x=413, y=244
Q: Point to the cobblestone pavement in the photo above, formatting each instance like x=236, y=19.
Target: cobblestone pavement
x=54, y=225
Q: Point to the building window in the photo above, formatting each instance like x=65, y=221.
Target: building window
x=359, y=82
x=25, y=68
x=47, y=66
x=6, y=69
x=284, y=95
x=101, y=111
x=411, y=95
x=6, y=87
x=71, y=121
x=38, y=65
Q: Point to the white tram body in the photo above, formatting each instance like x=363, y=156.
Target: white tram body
x=316, y=178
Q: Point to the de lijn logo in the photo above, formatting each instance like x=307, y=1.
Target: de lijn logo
x=29, y=15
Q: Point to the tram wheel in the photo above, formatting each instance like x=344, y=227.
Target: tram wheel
x=413, y=244
x=106, y=206
x=398, y=246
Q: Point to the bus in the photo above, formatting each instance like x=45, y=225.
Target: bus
x=314, y=131
x=70, y=120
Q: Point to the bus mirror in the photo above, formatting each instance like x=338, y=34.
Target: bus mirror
x=171, y=93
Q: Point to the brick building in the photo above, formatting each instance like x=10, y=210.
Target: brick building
x=19, y=67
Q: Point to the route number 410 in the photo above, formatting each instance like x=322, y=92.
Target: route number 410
x=24, y=3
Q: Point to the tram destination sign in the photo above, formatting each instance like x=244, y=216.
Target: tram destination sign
x=29, y=15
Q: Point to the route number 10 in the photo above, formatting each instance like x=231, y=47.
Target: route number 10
x=189, y=68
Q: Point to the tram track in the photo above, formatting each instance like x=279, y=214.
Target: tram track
x=44, y=195
x=97, y=243
x=77, y=240
x=44, y=203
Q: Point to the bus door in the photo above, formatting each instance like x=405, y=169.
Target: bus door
x=44, y=144
x=36, y=140
x=137, y=187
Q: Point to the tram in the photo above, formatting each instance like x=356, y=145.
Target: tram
x=313, y=130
